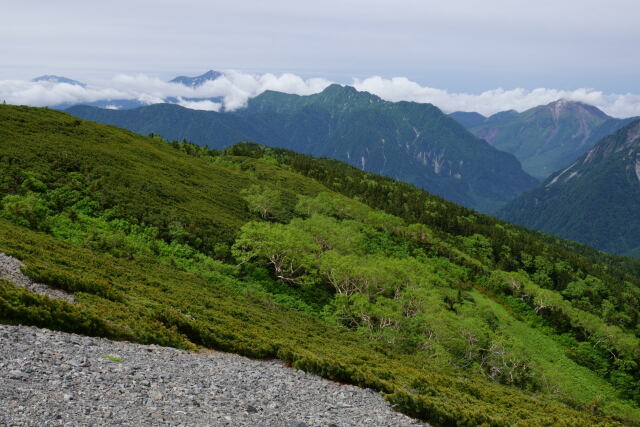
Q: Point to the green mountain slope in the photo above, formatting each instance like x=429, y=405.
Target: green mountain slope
x=412, y=142
x=457, y=318
x=595, y=200
x=544, y=138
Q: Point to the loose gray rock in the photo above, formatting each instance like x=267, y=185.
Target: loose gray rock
x=52, y=378
x=10, y=270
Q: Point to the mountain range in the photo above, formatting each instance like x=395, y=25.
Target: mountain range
x=595, y=200
x=408, y=141
x=544, y=138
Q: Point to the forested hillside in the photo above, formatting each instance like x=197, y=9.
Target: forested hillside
x=409, y=141
x=594, y=200
x=455, y=317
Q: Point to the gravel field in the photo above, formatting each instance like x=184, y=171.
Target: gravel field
x=53, y=378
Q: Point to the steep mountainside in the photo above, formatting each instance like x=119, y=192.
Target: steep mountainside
x=412, y=142
x=457, y=318
x=595, y=200
x=544, y=138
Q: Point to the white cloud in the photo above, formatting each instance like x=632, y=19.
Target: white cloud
x=50, y=93
x=200, y=105
x=234, y=89
x=493, y=101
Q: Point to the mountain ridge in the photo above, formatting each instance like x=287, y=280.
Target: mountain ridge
x=408, y=141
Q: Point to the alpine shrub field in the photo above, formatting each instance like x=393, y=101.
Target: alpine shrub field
x=455, y=317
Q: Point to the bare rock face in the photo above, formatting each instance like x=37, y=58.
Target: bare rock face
x=53, y=378
x=10, y=270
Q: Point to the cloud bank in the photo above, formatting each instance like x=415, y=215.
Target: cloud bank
x=233, y=89
x=496, y=100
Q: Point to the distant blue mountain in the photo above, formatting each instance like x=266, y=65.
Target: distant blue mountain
x=126, y=104
x=198, y=80
x=57, y=79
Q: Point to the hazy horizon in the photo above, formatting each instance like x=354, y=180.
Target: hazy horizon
x=470, y=56
x=235, y=88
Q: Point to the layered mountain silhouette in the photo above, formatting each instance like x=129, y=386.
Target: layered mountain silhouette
x=545, y=138
x=57, y=79
x=595, y=200
x=198, y=80
x=408, y=141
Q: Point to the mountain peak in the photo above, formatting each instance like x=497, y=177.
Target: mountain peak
x=562, y=102
x=338, y=88
x=57, y=79
x=197, y=80
x=336, y=92
x=567, y=106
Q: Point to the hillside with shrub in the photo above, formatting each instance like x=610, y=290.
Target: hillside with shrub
x=455, y=317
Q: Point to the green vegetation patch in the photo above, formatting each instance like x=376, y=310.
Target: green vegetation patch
x=112, y=358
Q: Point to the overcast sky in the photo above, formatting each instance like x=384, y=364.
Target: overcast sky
x=463, y=46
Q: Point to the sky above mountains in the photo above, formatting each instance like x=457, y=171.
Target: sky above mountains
x=495, y=52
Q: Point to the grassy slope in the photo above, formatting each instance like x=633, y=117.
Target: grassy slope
x=146, y=301
x=148, y=179
x=569, y=377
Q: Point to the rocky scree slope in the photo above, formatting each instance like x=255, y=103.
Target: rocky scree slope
x=54, y=378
